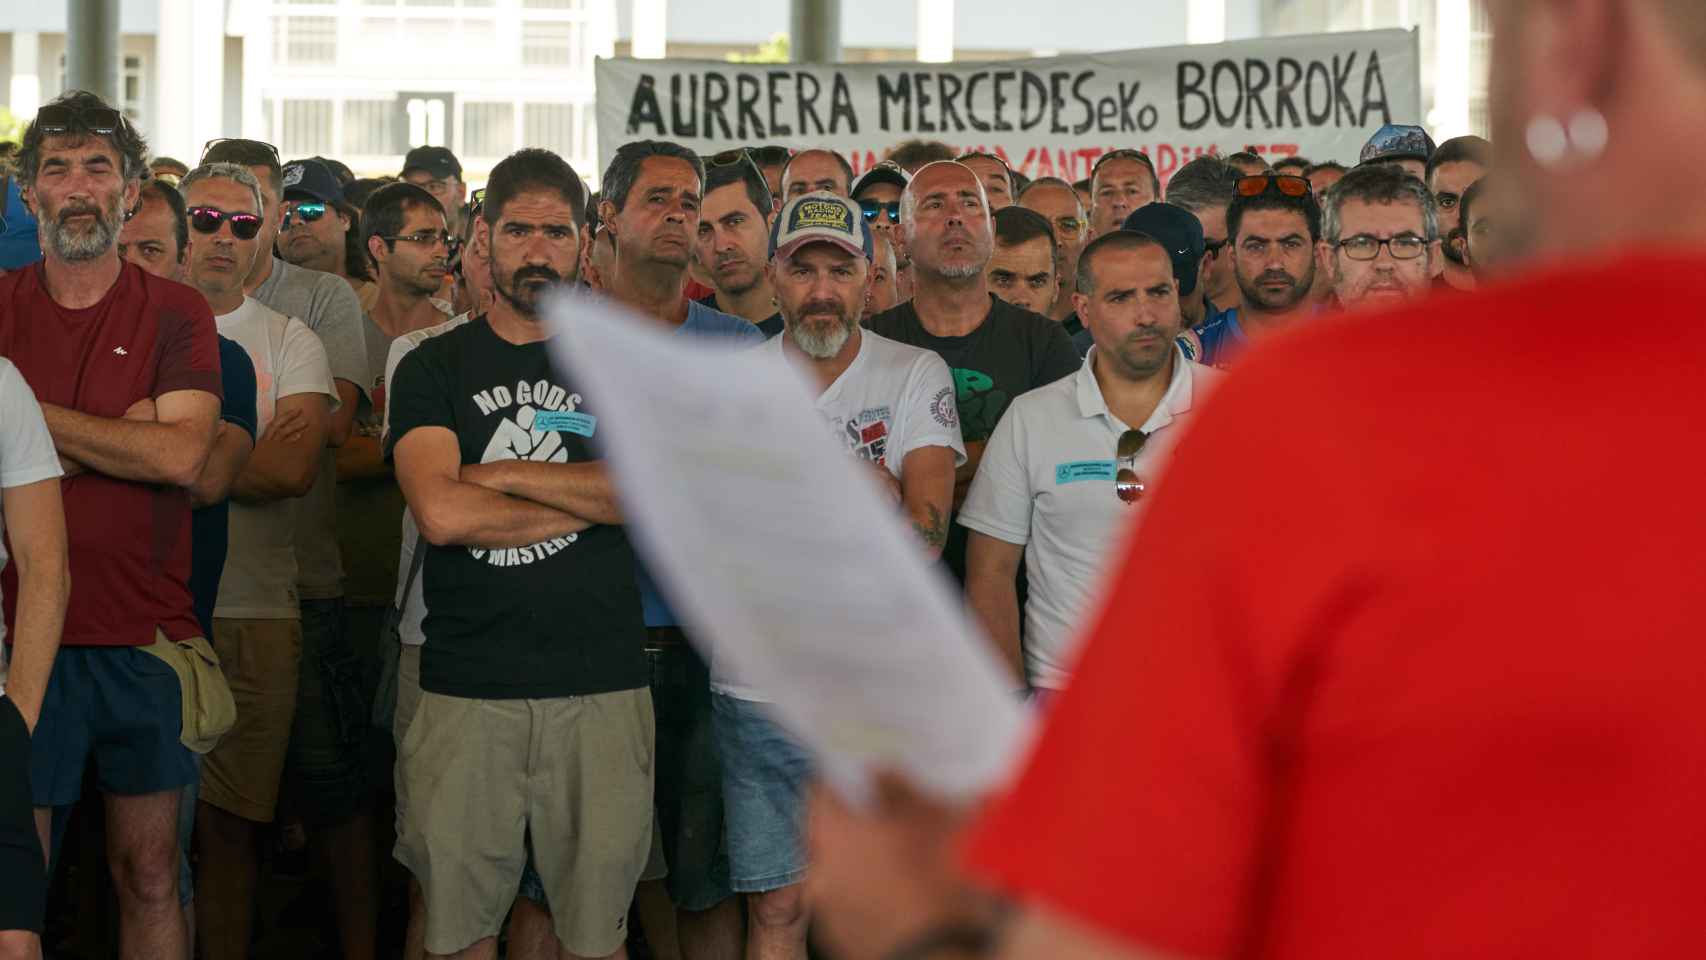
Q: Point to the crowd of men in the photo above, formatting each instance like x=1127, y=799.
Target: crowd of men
x=285, y=463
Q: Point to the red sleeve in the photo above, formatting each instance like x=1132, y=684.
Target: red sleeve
x=189, y=345
x=1146, y=804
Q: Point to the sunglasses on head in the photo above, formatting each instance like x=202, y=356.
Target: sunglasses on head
x=770, y=156
x=1127, y=485
x=59, y=118
x=874, y=207
x=207, y=147
x=1122, y=154
x=206, y=220
x=1285, y=183
x=307, y=211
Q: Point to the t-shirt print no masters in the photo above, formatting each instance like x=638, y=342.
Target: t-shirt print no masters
x=560, y=617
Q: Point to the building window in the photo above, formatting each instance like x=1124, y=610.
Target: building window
x=552, y=126
x=370, y=128
x=546, y=43
x=306, y=129
x=305, y=40
x=488, y=129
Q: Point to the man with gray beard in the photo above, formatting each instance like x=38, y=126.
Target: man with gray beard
x=893, y=407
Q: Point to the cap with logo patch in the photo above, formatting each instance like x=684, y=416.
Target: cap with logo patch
x=437, y=162
x=1179, y=231
x=311, y=180
x=820, y=217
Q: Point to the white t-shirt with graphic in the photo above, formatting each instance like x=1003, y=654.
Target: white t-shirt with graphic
x=893, y=399
x=260, y=565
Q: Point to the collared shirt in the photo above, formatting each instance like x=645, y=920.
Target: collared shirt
x=1047, y=482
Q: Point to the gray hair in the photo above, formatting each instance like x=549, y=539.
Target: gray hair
x=1202, y=184
x=223, y=171
x=1378, y=183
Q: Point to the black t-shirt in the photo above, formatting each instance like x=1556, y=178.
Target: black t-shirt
x=1013, y=351
x=552, y=619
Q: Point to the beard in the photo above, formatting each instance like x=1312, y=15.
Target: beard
x=83, y=242
x=1294, y=294
x=526, y=286
x=821, y=340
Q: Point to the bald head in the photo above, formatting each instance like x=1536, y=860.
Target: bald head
x=946, y=219
x=812, y=171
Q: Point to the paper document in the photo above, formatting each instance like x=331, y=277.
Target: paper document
x=781, y=556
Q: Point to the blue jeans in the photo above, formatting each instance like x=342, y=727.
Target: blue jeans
x=764, y=779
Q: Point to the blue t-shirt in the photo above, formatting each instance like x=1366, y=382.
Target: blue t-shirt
x=210, y=525
x=1222, y=339
x=19, y=245
x=702, y=321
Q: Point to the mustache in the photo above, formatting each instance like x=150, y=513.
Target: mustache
x=821, y=306
x=79, y=209
x=1276, y=276
x=536, y=273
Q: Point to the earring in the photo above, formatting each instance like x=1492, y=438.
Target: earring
x=1547, y=140
x=1588, y=133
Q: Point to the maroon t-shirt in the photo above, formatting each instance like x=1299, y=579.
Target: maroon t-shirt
x=130, y=542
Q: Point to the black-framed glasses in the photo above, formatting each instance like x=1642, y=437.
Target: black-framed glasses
x=1363, y=246
x=207, y=147
x=206, y=220
x=872, y=208
x=1128, y=486
x=426, y=238
x=308, y=211
x=60, y=118
x=770, y=156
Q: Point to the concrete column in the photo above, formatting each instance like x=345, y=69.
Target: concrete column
x=815, y=31
x=1450, y=114
x=651, y=24
x=25, y=88
x=190, y=77
x=936, y=31
x=1205, y=21
x=92, y=53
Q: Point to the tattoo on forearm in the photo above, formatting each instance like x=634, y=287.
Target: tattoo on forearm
x=934, y=533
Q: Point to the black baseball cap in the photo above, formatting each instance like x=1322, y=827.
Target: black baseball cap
x=311, y=180
x=885, y=172
x=439, y=162
x=1179, y=231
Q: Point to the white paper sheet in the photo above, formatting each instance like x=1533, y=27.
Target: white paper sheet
x=780, y=555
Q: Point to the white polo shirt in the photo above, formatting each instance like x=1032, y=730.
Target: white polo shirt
x=1047, y=482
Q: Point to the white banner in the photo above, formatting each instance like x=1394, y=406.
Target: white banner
x=1320, y=96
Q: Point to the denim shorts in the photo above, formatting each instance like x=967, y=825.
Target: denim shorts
x=764, y=780
x=327, y=766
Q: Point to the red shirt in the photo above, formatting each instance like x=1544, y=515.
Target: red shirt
x=130, y=542
x=1408, y=658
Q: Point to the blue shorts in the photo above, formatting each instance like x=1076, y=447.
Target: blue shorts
x=764, y=780
x=123, y=706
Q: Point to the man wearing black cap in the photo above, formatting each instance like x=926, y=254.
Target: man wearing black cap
x=437, y=171
x=1406, y=145
x=877, y=191
x=1053, y=490
x=314, y=229
x=1180, y=233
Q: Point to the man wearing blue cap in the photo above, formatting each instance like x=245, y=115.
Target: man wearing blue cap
x=1070, y=461
x=893, y=407
x=1406, y=145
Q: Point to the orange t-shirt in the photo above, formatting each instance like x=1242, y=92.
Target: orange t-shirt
x=1408, y=658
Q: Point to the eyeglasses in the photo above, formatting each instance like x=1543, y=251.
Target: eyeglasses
x=1285, y=183
x=308, y=211
x=1405, y=246
x=206, y=220
x=209, y=146
x=426, y=238
x=873, y=207
x=770, y=156
x=58, y=118
x=1127, y=486
x=1122, y=154
x=1068, y=225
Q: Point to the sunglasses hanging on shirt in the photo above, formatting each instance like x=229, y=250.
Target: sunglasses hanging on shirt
x=1128, y=486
